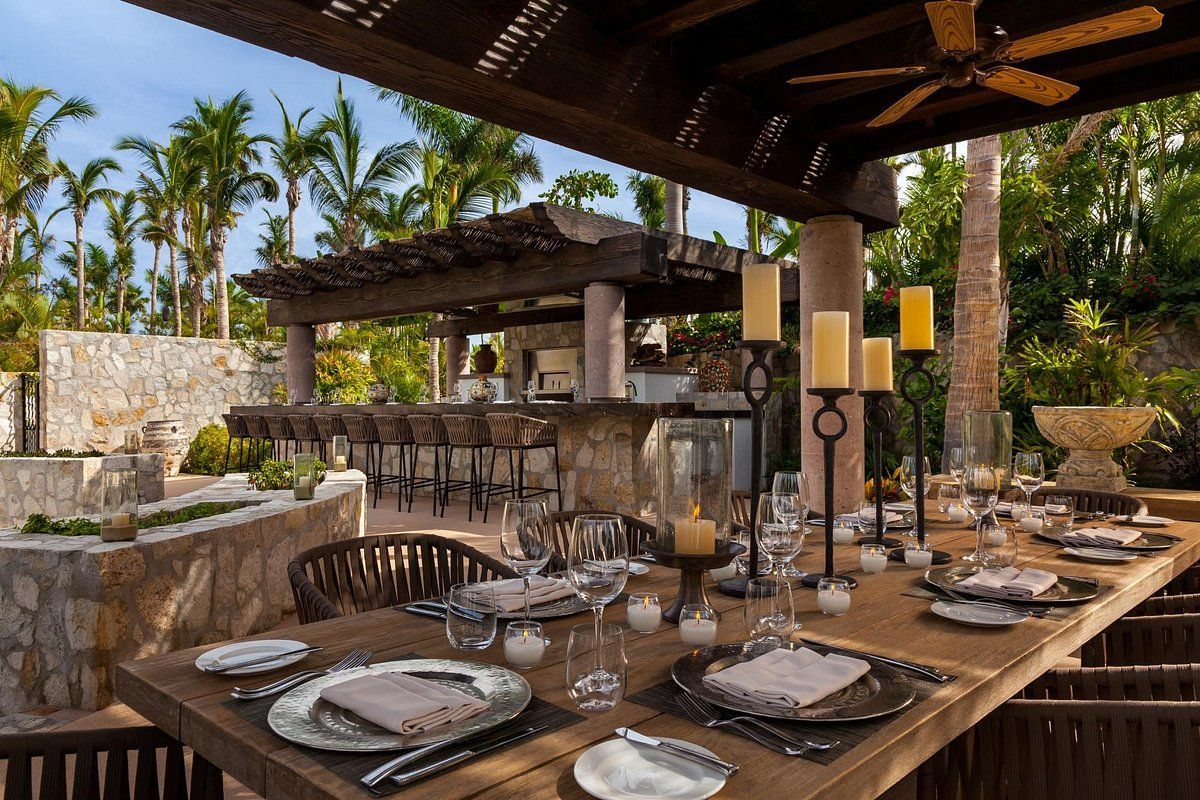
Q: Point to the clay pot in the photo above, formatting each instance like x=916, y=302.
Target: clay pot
x=1091, y=433
x=485, y=358
x=168, y=437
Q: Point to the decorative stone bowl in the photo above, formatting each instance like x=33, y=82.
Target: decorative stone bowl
x=1091, y=433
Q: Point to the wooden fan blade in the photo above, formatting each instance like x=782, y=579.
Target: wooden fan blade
x=1103, y=29
x=906, y=104
x=862, y=73
x=1028, y=85
x=953, y=24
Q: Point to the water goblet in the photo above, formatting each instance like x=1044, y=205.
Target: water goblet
x=598, y=567
x=981, y=489
x=778, y=539
x=1029, y=470
x=909, y=475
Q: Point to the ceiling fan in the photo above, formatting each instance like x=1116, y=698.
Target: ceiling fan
x=964, y=55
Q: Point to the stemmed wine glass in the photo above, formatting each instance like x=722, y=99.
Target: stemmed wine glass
x=1030, y=471
x=908, y=477
x=788, y=484
x=525, y=539
x=981, y=490
x=957, y=464
x=598, y=567
x=779, y=537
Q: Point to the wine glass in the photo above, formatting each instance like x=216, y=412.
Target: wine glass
x=981, y=489
x=769, y=613
x=909, y=475
x=1030, y=471
x=525, y=539
x=779, y=540
x=957, y=464
x=596, y=683
x=598, y=567
x=793, y=483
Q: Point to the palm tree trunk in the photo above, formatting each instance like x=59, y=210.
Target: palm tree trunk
x=154, y=285
x=435, y=372
x=293, y=202
x=120, y=326
x=176, y=308
x=220, y=291
x=37, y=274
x=975, y=365
x=196, y=286
x=80, y=299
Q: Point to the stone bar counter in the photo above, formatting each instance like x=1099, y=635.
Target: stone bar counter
x=607, y=451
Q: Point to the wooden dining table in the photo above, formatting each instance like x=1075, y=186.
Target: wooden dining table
x=991, y=666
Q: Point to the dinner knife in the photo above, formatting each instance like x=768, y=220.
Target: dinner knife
x=933, y=673
x=217, y=667
x=425, y=612
x=405, y=778
x=703, y=760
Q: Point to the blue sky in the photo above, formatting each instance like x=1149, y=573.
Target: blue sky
x=143, y=70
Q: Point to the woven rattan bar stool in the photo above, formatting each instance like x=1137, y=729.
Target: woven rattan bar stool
x=394, y=431
x=472, y=433
x=329, y=426
x=360, y=430
x=235, y=426
x=281, y=435
x=304, y=431
x=259, y=433
x=517, y=433
x=429, y=431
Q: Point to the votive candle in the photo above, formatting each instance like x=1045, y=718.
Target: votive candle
x=697, y=625
x=643, y=613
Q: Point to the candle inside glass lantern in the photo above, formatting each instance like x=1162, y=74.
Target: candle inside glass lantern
x=698, y=625
x=341, y=453
x=695, y=482
x=119, y=504
x=695, y=535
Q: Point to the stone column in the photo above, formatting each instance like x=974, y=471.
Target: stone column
x=301, y=361
x=604, y=341
x=456, y=362
x=831, y=279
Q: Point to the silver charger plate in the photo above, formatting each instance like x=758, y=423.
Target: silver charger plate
x=1147, y=542
x=563, y=607
x=1066, y=591
x=303, y=718
x=882, y=691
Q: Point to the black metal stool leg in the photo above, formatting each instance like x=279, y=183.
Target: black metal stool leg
x=487, y=501
x=557, y=477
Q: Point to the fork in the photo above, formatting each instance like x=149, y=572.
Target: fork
x=1033, y=611
x=355, y=658
x=703, y=715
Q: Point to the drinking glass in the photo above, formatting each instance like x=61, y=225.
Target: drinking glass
x=958, y=464
x=909, y=474
x=596, y=667
x=779, y=540
x=981, y=488
x=1000, y=546
x=598, y=567
x=1029, y=470
x=470, y=616
x=1060, y=512
x=948, y=495
x=526, y=542
x=769, y=613
x=793, y=483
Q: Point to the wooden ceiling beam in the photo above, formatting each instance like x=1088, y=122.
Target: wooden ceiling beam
x=680, y=18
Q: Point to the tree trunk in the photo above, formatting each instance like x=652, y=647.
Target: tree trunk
x=673, y=221
x=37, y=275
x=220, y=290
x=154, y=286
x=975, y=366
x=293, y=202
x=176, y=300
x=196, y=286
x=80, y=300
x=435, y=372
x=120, y=326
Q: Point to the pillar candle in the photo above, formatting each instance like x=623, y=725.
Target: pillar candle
x=760, y=302
x=830, y=349
x=877, y=364
x=916, y=318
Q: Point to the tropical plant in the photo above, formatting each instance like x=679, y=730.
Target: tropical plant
x=579, y=188
x=80, y=190
x=292, y=153
x=206, y=452
x=122, y=227
x=273, y=475
x=342, y=377
x=273, y=240
x=649, y=198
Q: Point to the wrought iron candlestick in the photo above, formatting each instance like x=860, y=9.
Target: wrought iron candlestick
x=757, y=398
x=877, y=413
x=829, y=398
x=918, y=400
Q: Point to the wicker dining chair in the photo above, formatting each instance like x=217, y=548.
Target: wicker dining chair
x=739, y=500
x=1161, y=604
x=235, y=428
x=357, y=575
x=637, y=533
x=102, y=766
x=280, y=428
x=1157, y=639
x=1094, y=501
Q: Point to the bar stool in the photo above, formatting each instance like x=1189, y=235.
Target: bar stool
x=471, y=432
x=259, y=433
x=519, y=433
x=360, y=429
x=329, y=426
x=394, y=431
x=235, y=426
x=304, y=429
x=281, y=434
x=428, y=431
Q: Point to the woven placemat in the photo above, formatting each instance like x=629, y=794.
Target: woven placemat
x=1057, y=613
x=662, y=697
x=353, y=766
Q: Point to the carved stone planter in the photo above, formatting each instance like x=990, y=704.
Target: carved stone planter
x=1091, y=433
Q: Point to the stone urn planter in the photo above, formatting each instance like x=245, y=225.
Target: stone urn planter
x=1091, y=433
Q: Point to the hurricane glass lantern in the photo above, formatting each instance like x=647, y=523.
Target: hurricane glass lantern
x=132, y=445
x=695, y=479
x=987, y=442
x=341, y=453
x=119, y=505
x=304, y=476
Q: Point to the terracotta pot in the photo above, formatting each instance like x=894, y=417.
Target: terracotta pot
x=485, y=358
x=169, y=438
x=1091, y=433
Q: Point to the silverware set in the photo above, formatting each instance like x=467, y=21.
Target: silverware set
x=354, y=659
x=466, y=750
x=1029, y=611
x=704, y=714
x=925, y=670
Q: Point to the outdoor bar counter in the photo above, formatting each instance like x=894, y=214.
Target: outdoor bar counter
x=607, y=451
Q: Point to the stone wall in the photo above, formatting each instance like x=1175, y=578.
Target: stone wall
x=72, y=608
x=518, y=340
x=69, y=487
x=95, y=386
x=1178, y=345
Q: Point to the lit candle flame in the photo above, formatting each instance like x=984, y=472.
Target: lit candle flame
x=645, y=602
x=695, y=511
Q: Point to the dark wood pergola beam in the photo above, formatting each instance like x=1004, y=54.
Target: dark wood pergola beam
x=680, y=18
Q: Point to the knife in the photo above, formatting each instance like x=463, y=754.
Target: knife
x=405, y=778
x=425, y=612
x=217, y=667
x=703, y=760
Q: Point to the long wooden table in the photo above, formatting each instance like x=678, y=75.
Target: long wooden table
x=991, y=665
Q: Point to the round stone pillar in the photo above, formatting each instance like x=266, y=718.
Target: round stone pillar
x=831, y=279
x=301, y=361
x=456, y=362
x=604, y=341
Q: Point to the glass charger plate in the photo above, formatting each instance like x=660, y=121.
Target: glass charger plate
x=881, y=691
x=1065, y=591
x=302, y=717
x=1147, y=542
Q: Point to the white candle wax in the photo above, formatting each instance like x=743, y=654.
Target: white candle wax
x=830, y=350
x=524, y=651
x=833, y=602
x=303, y=482
x=339, y=464
x=724, y=573
x=994, y=538
x=843, y=534
x=872, y=563
x=958, y=514
x=695, y=536
x=644, y=618
x=699, y=632
x=877, y=364
x=918, y=558
x=120, y=518
x=760, y=302
x=1031, y=523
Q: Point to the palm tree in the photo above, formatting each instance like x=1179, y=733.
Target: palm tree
x=41, y=241
x=123, y=227
x=218, y=137
x=292, y=152
x=344, y=183
x=275, y=239
x=649, y=198
x=80, y=191
x=154, y=232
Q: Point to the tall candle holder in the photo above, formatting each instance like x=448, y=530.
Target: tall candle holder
x=878, y=415
x=829, y=398
x=757, y=398
x=918, y=400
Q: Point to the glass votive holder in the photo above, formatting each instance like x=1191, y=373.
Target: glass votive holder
x=304, y=476
x=341, y=453
x=119, y=505
x=132, y=445
x=843, y=533
x=833, y=596
x=1033, y=521
x=643, y=613
x=872, y=558
x=999, y=546
x=524, y=644
x=698, y=625
x=1019, y=510
x=918, y=554
x=958, y=513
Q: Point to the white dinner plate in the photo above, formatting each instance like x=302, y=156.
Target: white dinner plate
x=1101, y=554
x=618, y=770
x=980, y=616
x=248, y=651
x=637, y=569
x=1148, y=521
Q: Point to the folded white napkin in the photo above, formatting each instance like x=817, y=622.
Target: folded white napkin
x=890, y=517
x=1010, y=582
x=403, y=703
x=1101, y=537
x=1004, y=507
x=790, y=678
x=510, y=593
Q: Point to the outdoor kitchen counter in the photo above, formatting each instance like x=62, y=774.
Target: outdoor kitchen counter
x=544, y=410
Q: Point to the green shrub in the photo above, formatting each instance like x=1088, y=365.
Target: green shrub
x=273, y=475
x=63, y=452
x=206, y=453
x=341, y=377
x=78, y=526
